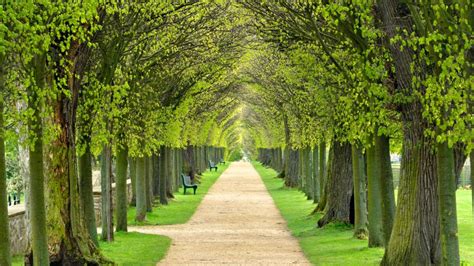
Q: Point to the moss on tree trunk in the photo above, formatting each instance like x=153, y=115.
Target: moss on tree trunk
x=121, y=189
x=340, y=186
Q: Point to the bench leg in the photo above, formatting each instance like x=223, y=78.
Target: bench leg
x=194, y=190
x=184, y=190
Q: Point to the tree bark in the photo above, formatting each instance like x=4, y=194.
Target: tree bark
x=133, y=179
x=340, y=186
x=360, y=199
x=86, y=190
x=106, y=195
x=291, y=174
x=382, y=153
x=415, y=234
x=374, y=199
x=316, y=177
x=447, y=204
x=322, y=166
x=140, y=215
x=5, y=255
x=39, y=237
x=149, y=184
x=163, y=179
x=121, y=189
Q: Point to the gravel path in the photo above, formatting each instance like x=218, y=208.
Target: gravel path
x=236, y=223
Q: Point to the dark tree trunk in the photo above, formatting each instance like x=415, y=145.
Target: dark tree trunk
x=374, y=199
x=149, y=184
x=163, y=173
x=415, y=234
x=382, y=153
x=189, y=167
x=447, y=204
x=340, y=186
x=121, y=189
x=86, y=190
x=291, y=174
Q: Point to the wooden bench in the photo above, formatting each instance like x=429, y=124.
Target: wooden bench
x=188, y=184
x=212, y=165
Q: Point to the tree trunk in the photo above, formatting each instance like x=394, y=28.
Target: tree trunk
x=382, y=153
x=316, y=177
x=149, y=184
x=39, y=237
x=374, y=199
x=188, y=162
x=5, y=256
x=106, y=195
x=447, y=204
x=322, y=166
x=291, y=175
x=163, y=178
x=360, y=199
x=308, y=174
x=460, y=157
x=86, y=190
x=415, y=234
x=133, y=179
x=121, y=188
x=324, y=174
x=340, y=186
x=140, y=215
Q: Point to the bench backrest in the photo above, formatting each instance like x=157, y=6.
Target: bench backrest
x=212, y=164
x=186, y=180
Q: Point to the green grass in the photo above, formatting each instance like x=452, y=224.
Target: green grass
x=334, y=244
x=182, y=207
x=131, y=248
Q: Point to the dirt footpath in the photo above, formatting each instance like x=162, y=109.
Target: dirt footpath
x=236, y=223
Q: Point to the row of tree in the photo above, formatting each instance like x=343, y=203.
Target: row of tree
x=364, y=78
x=140, y=85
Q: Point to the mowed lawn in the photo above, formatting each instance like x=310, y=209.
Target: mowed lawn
x=334, y=244
x=144, y=249
x=182, y=207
